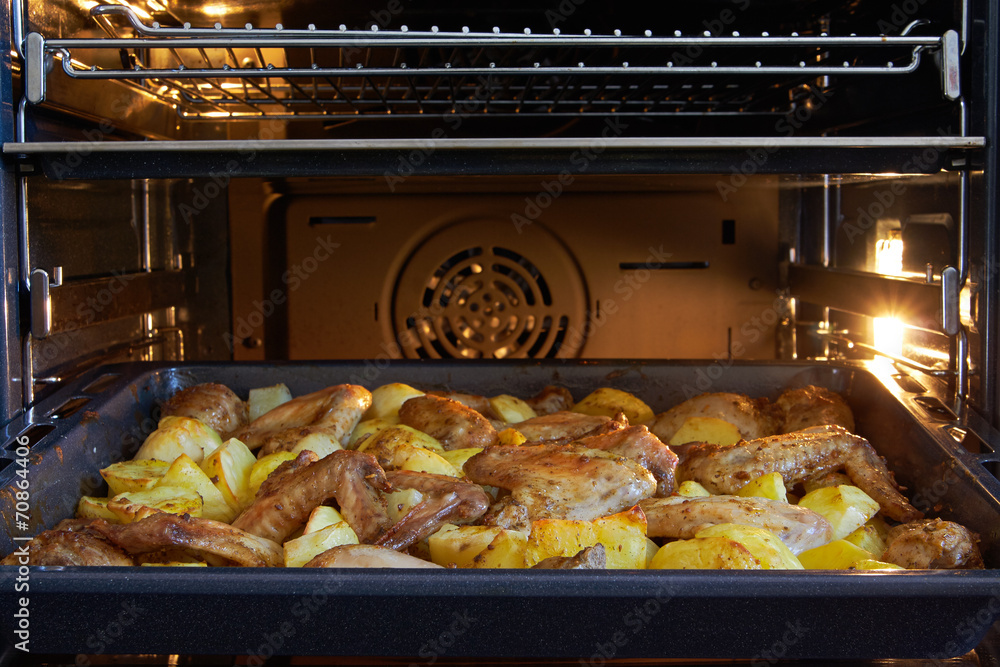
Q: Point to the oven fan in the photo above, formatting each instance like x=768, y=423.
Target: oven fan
x=483, y=290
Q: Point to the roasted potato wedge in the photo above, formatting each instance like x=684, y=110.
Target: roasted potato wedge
x=179, y=435
x=762, y=543
x=264, y=467
x=303, y=549
x=459, y=545
x=229, y=469
x=609, y=402
x=133, y=475
x=624, y=538
x=265, y=399
x=558, y=537
x=96, y=508
x=387, y=399
x=835, y=555
x=769, y=486
x=507, y=550
x=134, y=505
x=704, y=553
x=692, y=489
x=706, y=429
x=846, y=507
x=184, y=472
x=512, y=409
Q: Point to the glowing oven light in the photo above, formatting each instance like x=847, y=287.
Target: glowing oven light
x=888, y=331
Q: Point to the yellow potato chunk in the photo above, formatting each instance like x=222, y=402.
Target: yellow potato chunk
x=867, y=537
x=184, y=472
x=320, y=443
x=558, y=537
x=609, y=402
x=512, y=409
x=651, y=549
x=507, y=550
x=458, y=457
x=133, y=475
x=96, y=508
x=229, y=469
x=836, y=555
x=880, y=526
x=399, y=435
x=762, y=543
x=460, y=544
x=370, y=427
x=769, y=485
x=706, y=429
x=400, y=502
x=179, y=435
x=704, y=553
x=511, y=437
x=692, y=489
x=264, y=467
x=320, y=518
x=829, y=479
x=387, y=399
x=846, y=507
x=303, y=549
x=875, y=565
x=405, y=451
x=133, y=505
x=624, y=538
x=265, y=399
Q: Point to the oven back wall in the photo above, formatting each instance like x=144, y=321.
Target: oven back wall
x=667, y=269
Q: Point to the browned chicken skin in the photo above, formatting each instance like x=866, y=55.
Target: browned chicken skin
x=480, y=404
x=551, y=399
x=813, y=406
x=590, y=558
x=563, y=481
x=509, y=514
x=754, y=418
x=934, y=544
x=353, y=478
x=638, y=444
x=454, y=425
x=69, y=545
x=333, y=411
x=446, y=500
x=213, y=404
x=797, y=456
x=565, y=427
x=679, y=517
x=161, y=530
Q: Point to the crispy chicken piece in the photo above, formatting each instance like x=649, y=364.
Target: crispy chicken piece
x=638, y=444
x=510, y=514
x=161, y=530
x=799, y=528
x=934, y=544
x=73, y=544
x=798, y=456
x=563, y=481
x=551, y=399
x=446, y=500
x=333, y=411
x=590, y=558
x=285, y=501
x=565, y=427
x=367, y=555
x=813, y=406
x=455, y=425
x=213, y=404
x=755, y=418
x=480, y=404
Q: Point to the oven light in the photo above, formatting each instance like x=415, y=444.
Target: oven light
x=888, y=331
x=889, y=336
x=215, y=10
x=155, y=6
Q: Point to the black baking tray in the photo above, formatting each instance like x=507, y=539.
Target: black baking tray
x=590, y=615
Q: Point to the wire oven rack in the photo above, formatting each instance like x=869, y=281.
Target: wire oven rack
x=221, y=72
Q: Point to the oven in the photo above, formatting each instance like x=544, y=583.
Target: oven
x=734, y=195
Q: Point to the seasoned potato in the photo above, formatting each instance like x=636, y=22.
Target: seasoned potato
x=265, y=399
x=558, y=537
x=399, y=447
x=829, y=479
x=880, y=526
x=320, y=443
x=303, y=549
x=762, y=543
x=458, y=457
x=96, y=508
x=846, y=507
x=875, y=565
x=867, y=537
x=507, y=550
x=512, y=437
x=836, y=555
x=320, y=518
x=184, y=472
x=651, y=549
x=229, y=469
x=460, y=544
x=769, y=486
x=624, y=538
x=400, y=502
x=609, y=402
x=692, y=489
x=134, y=505
x=398, y=435
x=179, y=435
x=370, y=427
x=512, y=409
x=264, y=467
x=387, y=399
x=704, y=553
x=133, y=475
x=706, y=429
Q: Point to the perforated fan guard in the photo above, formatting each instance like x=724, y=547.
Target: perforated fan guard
x=482, y=289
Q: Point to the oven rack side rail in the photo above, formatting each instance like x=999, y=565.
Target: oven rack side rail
x=210, y=73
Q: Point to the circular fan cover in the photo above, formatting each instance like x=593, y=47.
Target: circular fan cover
x=479, y=290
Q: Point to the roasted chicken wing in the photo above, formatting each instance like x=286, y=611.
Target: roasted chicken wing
x=754, y=418
x=934, y=544
x=813, y=406
x=213, y=404
x=456, y=426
